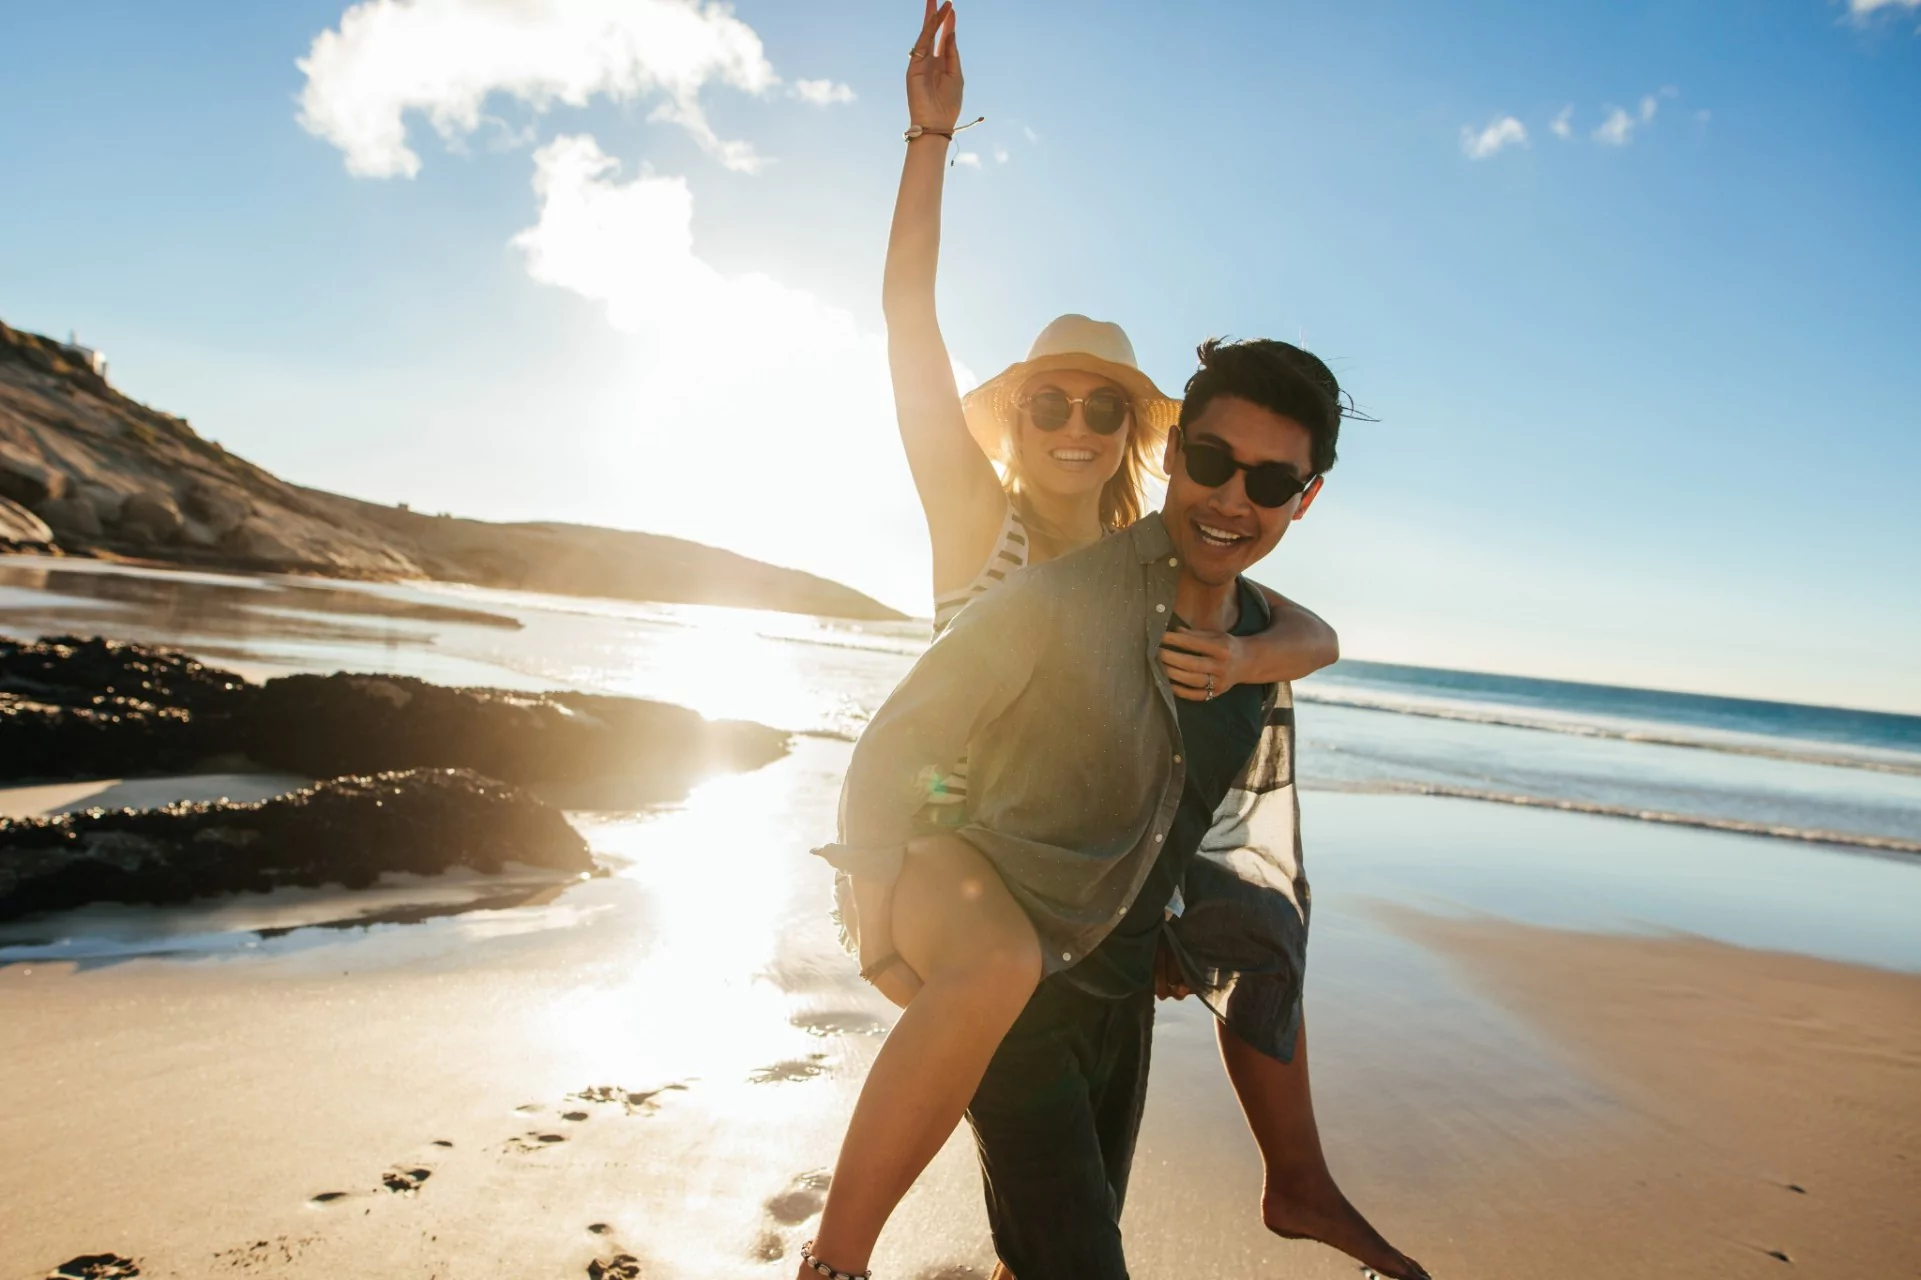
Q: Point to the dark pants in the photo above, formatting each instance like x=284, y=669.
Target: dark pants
x=1055, y=1120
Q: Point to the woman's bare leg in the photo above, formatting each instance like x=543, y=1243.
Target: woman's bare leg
x=979, y=961
x=1299, y=1198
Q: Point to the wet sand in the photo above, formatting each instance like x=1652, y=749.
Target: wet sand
x=619, y=1072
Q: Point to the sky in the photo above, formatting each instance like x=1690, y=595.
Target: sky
x=1631, y=289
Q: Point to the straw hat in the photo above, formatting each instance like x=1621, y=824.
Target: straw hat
x=1070, y=342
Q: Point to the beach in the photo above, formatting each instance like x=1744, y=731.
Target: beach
x=1544, y=1042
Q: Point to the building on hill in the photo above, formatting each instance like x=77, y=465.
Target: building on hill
x=94, y=360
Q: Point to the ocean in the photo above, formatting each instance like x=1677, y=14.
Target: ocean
x=1831, y=776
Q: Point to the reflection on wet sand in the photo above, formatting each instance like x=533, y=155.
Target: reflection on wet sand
x=222, y=613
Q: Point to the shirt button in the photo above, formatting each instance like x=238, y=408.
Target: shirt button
x=1173, y=562
x=1067, y=955
x=1160, y=608
x=1157, y=837
x=1177, y=759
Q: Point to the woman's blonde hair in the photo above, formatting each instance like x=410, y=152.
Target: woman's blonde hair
x=1124, y=494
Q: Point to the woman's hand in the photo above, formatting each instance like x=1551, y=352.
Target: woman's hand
x=1202, y=664
x=934, y=72
x=880, y=964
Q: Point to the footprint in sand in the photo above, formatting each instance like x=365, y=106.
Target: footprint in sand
x=265, y=1253
x=533, y=1141
x=801, y=1200
x=405, y=1181
x=622, y=1266
x=632, y=1100
x=95, y=1266
x=769, y=1248
x=792, y=1069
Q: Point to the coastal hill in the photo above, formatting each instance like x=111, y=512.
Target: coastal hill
x=86, y=471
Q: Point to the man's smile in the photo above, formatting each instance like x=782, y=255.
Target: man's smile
x=1216, y=535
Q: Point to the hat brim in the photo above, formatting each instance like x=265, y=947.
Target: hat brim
x=992, y=408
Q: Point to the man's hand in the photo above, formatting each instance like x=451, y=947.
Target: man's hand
x=1169, y=982
x=1196, y=661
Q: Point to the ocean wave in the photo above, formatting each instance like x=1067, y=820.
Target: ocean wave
x=1579, y=729
x=1739, y=826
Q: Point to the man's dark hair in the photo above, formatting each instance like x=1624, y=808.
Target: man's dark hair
x=1277, y=376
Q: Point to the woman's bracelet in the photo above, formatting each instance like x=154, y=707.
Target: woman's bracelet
x=922, y=131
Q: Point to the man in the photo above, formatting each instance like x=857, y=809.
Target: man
x=1122, y=820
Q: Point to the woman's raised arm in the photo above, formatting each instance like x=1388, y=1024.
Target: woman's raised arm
x=959, y=491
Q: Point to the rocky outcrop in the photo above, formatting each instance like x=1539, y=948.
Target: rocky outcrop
x=72, y=708
x=110, y=476
x=347, y=832
x=95, y=473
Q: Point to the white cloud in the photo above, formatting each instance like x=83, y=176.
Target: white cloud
x=444, y=58
x=971, y=159
x=1865, y=8
x=1001, y=156
x=752, y=415
x=1560, y=125
x=822, y=93
x=1501, y=132
x=1031, y=135
x=1617, y=130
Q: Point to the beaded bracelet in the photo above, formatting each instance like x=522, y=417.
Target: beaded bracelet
x=814, y=1264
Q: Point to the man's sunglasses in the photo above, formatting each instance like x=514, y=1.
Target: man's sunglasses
x=1105, y=410
x=1269, y=484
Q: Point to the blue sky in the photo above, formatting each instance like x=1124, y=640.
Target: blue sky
x=1649, y=409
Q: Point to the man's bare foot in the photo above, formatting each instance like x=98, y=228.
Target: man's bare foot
x=1317, y=1210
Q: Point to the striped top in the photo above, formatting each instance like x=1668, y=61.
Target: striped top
x=1009, y=554
x=947, y=791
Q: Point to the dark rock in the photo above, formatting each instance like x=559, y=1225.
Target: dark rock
x=345, y=832
x=73, y=708
x=325, y=725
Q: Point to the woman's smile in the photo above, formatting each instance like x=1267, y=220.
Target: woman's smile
x=1073, y=456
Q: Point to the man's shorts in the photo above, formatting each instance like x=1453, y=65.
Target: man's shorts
x=1055, y=1120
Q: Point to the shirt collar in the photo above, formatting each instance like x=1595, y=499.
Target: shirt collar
x=1151, y=540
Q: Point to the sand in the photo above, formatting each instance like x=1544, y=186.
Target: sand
x=542, y=1092
x=1766, y=1107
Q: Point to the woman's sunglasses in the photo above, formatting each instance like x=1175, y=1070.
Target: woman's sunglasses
x=1269, y=484
x=1105, y=411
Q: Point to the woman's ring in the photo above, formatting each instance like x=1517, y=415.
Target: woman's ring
x=1210, y=688
x=917, y=52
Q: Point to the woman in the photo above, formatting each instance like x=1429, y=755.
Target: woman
x=1075, y=427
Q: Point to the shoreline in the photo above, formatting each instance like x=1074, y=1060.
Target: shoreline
x=1843, y=841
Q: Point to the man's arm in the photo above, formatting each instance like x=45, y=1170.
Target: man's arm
x=967, y=678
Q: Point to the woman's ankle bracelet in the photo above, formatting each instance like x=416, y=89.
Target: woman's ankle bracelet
x=814, y=1264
